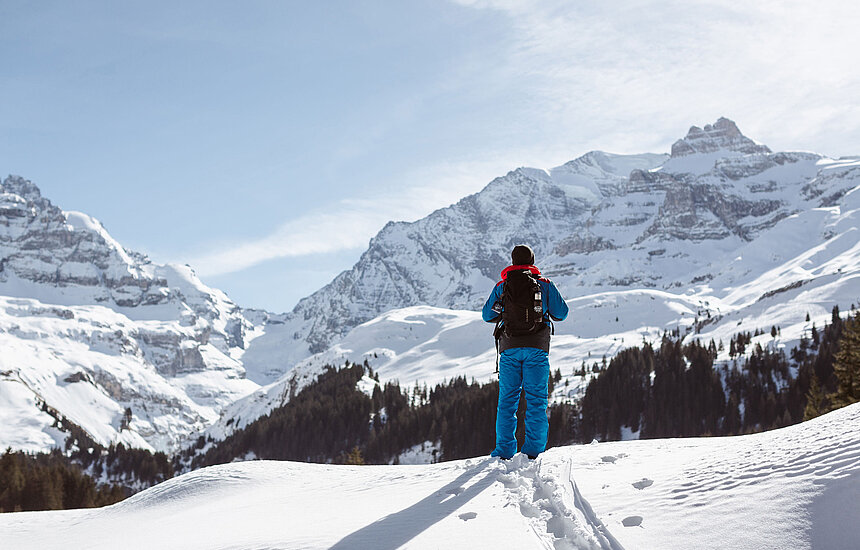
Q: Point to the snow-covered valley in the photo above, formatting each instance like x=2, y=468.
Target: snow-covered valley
x=793, y=488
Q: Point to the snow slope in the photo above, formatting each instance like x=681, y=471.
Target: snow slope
x=427, y=345
x=791, y=488
x=91, y=362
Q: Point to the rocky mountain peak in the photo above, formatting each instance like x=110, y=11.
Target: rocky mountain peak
x=24, y=188
x=722, y=135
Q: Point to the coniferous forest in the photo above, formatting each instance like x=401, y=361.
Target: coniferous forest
x=676, y=390
x=49, y=481
x=67, y=478
x=673, y=389
x=330, y=420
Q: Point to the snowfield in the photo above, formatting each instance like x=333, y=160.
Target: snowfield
x=794, y=488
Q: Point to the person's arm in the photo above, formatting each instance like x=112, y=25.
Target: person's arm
x=555, y=304
x=489, y=314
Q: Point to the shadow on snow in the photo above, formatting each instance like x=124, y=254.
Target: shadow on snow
x=395, y=530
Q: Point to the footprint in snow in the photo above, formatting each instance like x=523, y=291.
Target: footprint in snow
x=468, y=515
x=632, y=521
x=611, y=459
x=642, y=483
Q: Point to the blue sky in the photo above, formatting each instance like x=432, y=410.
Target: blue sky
x=265, y=143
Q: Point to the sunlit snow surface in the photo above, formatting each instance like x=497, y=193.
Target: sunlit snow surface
x=793, y=488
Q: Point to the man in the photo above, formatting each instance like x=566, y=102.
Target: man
x=525, y=304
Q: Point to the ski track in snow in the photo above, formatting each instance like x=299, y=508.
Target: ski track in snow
x=554, y=507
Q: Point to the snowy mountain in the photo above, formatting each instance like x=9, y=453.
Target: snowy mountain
x=723, y=235
x=600, y=222
x=789, y=488
x=89, y=329
x=449, y=258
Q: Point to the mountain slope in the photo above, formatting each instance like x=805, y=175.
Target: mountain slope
x=789, y=488
x=89, y=330
x=448, y=258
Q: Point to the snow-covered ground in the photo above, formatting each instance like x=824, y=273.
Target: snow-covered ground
x=794, y=488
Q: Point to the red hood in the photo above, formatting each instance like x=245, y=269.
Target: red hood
x=531, y=268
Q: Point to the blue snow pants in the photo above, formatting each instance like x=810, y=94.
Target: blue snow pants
x=522, y=369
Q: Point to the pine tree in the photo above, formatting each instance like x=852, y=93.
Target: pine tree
x=846, y=364
x=814, y=400
x=354, y=457
x=127, y=417
x=732, y=422
x=12, y=481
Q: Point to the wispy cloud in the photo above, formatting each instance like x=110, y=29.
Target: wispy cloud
x=350, y=223
x=632, y=72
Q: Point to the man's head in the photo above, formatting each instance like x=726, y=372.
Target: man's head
x=522, y=255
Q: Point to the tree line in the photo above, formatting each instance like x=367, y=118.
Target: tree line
x=48, y=481
x=330, y=420
x=66, y=478
x=676, y=390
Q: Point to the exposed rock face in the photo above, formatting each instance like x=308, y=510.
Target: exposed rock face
x=582, y=244
x=41, y=244
x=702, y=212
x=723, y=135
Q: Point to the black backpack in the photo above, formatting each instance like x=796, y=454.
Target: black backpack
x=521, y=298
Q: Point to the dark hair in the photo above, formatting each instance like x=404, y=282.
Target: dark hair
x=522, y=255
